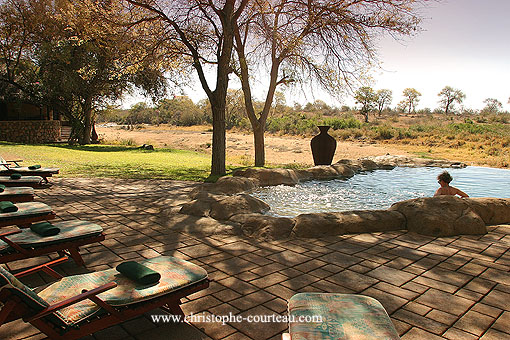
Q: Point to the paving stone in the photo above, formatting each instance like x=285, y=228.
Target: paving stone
x=435, y=284
x=400, y=326
x=443, y=301
x=111, y=333
x=390, y=302
x=238, y=285
x=503, y=323
x=340, y=259
x=352, y=280
x=417, y=308
x=493, y=334
x=226, y=295
x=403, y=293
x=474, y=323
x=278, y=305
x=419, y=334
x=487, y=310
x=391, y=275
x=268, y=280
x=448, y=276
x=458, y=334
x=443, y=317
x=257, y=330
x=496, y=275
x=138, y=325
x=299, y=282
x=480, y=285
x=251, y=300
x=497, y=299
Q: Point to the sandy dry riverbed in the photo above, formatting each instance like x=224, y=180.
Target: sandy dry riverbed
x=279, y=149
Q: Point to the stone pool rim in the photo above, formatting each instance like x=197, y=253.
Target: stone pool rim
x=227, y=200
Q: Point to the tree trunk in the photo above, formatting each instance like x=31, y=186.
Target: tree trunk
x=218, y=138
x=258, y=139
x=87, y=121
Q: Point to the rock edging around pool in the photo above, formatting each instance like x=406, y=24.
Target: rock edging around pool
x=435, y=216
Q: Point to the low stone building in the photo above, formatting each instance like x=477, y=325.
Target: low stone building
x=23, y=122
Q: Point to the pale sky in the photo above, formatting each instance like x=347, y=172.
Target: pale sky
x=464, y=44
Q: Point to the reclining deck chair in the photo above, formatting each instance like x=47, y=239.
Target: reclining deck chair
x=17, y=194
x=24, y=243
x=28, y=213
x=8, y=167
x=80, y=305
x=318, y=316
x=24, y=181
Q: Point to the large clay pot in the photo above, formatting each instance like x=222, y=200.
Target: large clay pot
x=323, y=147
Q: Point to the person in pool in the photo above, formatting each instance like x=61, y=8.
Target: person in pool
x=444, y=180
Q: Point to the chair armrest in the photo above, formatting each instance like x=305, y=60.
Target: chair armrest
x=91, y=294
x=15, y=161
x=14, y=245
x=10, y=232
x=45, y=267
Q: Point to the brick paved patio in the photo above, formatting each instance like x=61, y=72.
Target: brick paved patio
x=433, y=288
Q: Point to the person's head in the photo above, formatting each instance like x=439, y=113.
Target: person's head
x=444, y=177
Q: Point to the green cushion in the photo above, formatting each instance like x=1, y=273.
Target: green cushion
x=2, y=188
x=138, y=272
x=45, y=229
x=34, y=167
x=15, y=176
x=7, y=207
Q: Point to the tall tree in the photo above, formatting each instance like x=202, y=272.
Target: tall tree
x=411, y=99
x=492, y=105
x=203, y=32
x=326, y=44
x=383, y=99
x=449, y=96
x=367, y=98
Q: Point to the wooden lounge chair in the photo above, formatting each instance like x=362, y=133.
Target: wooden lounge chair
x=9, y=167
x=24, y=181
x=80, y=305
x=20, y=244
x=317, y=316
x=28, y=213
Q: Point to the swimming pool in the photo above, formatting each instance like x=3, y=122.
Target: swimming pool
x=379, y=189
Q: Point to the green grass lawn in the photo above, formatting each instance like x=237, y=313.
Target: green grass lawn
x=113, y=161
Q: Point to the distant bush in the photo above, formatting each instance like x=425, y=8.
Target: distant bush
x=343, y=123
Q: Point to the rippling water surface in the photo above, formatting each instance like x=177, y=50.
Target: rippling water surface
x=379, y=189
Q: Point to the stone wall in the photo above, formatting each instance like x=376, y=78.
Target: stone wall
x=30, y=131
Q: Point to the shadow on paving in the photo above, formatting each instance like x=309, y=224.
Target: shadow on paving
x=432, y=288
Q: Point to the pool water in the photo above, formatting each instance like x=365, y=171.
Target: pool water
x=379, y=189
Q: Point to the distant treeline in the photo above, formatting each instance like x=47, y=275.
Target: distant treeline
x=295, y=120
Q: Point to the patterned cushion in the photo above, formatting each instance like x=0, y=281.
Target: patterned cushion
x=344, y=316
x=175, y=274
x=27, y=209
x=24, y=170
x=17, y=191
x=23, y=179
x=69, y=230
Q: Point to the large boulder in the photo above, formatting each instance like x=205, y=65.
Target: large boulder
x=317, y=172
x=492, y=210
x=237, y=204
x=268, y=177
x=343, y=170
x=440, y=216
x=347, y=222
x=201, y=203
x=263, y=226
